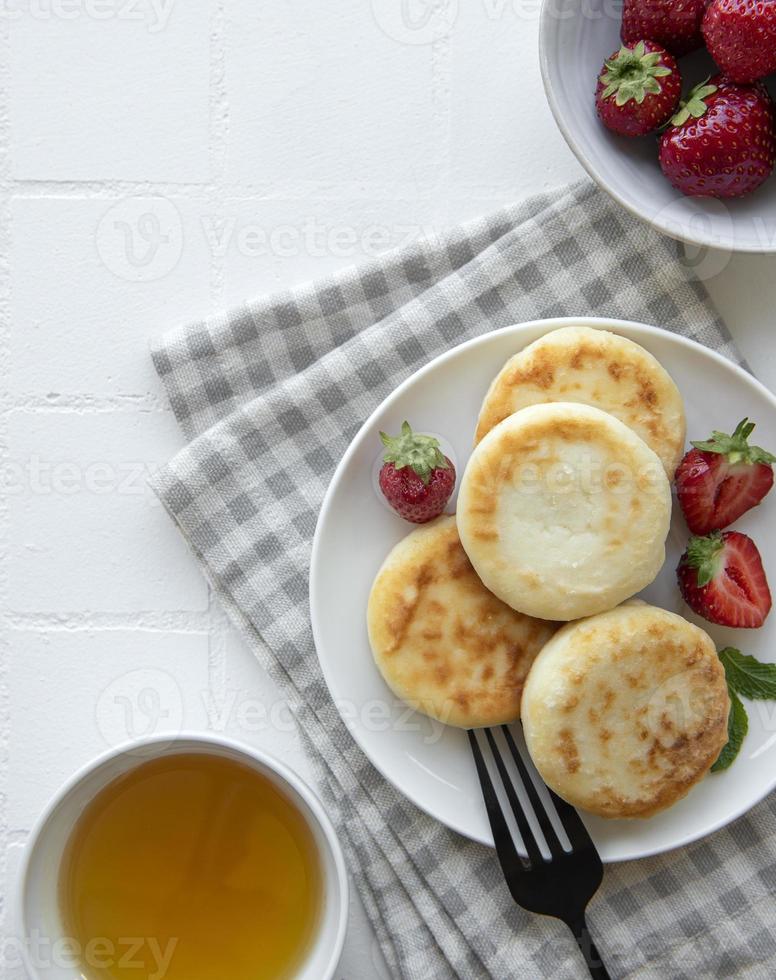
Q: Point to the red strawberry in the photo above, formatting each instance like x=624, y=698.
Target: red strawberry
x=721, y=578
x=722, y=479
x=722, y=142
x=417, y=479
x=741, y=37
x=638, y=89
x=676, y=24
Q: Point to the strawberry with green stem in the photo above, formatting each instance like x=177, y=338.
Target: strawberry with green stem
x=721, y=577
x=638, y=89
x=721, y=142
x=722, y=478
x=416, y=478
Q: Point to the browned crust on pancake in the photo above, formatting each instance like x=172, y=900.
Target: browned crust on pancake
x=441, y=640
x=661, y=713
x=553, y=370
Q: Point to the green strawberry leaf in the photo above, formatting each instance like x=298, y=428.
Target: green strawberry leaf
x=631, y=74
x=703, y=554
x=747, y=676
x=420, y=453
x=738, y=726
x=736, y=447
x=695, y=104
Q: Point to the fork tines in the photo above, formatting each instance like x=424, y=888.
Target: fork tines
x=529, y=811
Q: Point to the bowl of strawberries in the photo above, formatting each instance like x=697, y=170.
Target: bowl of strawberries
x=668, y=106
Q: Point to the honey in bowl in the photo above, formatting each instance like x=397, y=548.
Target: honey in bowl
x=191, y=867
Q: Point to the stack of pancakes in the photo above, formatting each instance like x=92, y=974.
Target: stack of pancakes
x=563, y=512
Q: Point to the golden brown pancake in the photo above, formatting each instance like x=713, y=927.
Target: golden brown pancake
x=444, y=643
x=594, y=367
x=626, y=711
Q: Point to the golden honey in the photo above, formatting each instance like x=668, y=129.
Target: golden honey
x=191, y=867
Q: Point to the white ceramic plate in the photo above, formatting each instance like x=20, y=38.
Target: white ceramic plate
x=575, y=36
x=431, y=763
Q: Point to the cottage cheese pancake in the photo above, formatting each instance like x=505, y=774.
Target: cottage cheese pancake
x=564, y=511
x=444, y=643
x=626, y=711
x=594, y=367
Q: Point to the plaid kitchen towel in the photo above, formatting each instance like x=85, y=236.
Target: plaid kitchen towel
x=270, y=396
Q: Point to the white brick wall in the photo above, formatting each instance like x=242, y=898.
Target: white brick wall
x=158, y=160
x=120, y=98
x=76, y=325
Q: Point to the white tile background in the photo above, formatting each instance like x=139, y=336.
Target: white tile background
x=160, y=159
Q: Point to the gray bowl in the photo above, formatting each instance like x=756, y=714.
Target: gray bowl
x=575, y=36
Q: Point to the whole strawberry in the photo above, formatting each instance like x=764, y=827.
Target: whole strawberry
x=722, y=478
x=722, y=142
x=741, y=37
x=675, y=24
x=638, y=89
x=722, y=578
x=416, y=479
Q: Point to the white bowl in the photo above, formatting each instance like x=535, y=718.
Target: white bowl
x=44, y=945
x=575, y=36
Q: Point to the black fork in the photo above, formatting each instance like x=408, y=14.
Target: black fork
x=561, y=885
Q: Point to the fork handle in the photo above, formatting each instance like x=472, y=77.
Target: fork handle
x=587, y=947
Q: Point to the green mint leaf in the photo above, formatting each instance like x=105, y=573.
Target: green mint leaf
x=738, y=726
x=747, y=676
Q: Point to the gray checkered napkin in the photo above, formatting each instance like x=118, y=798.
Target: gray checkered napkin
x=270, y=396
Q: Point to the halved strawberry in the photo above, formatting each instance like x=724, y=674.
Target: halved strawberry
x=723, y=478
x=722, y=578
